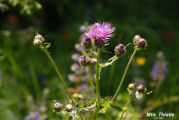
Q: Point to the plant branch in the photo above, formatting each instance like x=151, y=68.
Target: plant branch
x=58, y=72
x=98, y=74
x=110, y=61
x=124, y=109
x=60, y=76
x=123, y=76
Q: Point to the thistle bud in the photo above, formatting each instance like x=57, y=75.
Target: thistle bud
x=77, y=96
x=141, y=88
x=135, y=39
x=131, y=86
x=38, y=40
x=86, y=42
x=57, y=107
x=120, y=50
x=68, y=107
x=141, y=43
x=84, y=61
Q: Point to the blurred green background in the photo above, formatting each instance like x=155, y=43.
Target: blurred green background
x=26, y=75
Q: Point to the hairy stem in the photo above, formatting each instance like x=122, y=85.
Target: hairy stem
x=97, y=84
x=123, y=76
x=91, y=81
x=60, y=76
x=98, y=74
x=58, y=73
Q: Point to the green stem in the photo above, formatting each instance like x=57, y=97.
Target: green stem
x=60, y=76
x=91, y=81
x=97, y=84
x=98, y=74
x=94, y=114
x=123, y=111
x=123, y=76
x=111, y=74
x=110, y=61
x=58, y=72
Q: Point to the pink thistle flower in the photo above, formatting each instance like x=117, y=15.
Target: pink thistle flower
x=101, y=33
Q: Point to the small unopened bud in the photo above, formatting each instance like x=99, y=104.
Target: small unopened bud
x=135, y=39
x=86, y=42
x=141, y=43
x=57, y=107
x=120, y=50
x=131, y=86
x=68, y=107
x=77, y=96
x=38, y=40
x=141, y=88
x=84, y=61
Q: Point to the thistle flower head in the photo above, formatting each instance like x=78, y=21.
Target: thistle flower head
x=86, y=41
x=120, y=50
x=101, y=33
x=38, y=40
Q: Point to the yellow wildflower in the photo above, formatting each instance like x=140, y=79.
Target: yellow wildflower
x=140, y=61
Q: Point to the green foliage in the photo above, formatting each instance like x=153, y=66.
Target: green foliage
x=26, y=6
